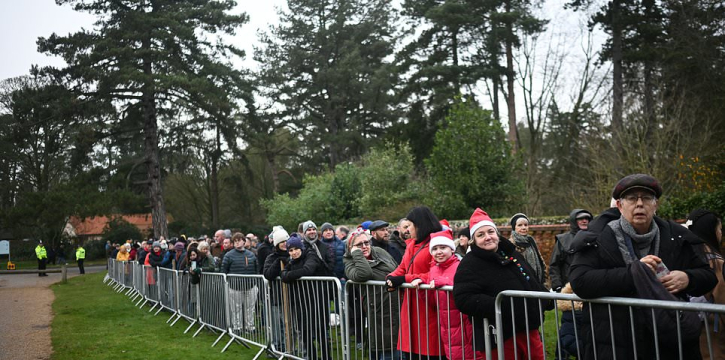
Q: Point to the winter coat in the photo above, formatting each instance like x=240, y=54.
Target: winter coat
x=132, y=254
x=392, y=248
x=457, y=335
x=141, y=256
x=272, y=270
x=382, y=306
x=415, y=309
x=532, y=252
x=600, y=270
x=561, y=253
x=338, y=250
x=481, y=276
x=327, y=253
x=180, y=260
x=123, y=256
x=262, y=252
x=239, y=262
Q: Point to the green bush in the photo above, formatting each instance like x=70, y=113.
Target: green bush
x=471, y=165
x=679, y=208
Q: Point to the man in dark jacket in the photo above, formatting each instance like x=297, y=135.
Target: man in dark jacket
x=561, y=254
x=312, y=240
x=606, y=268
x=338, y=248
x=381, y=238
x=242, y=291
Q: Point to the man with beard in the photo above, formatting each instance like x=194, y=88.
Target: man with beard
x=324, y=252
x=381, y=239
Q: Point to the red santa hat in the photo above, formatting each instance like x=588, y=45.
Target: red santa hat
x=478, y=219
x=445, y=224
x=444, y=237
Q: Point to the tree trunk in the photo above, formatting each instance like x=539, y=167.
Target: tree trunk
x=510, y=75
x=617, y=80
x=496, y=111
x=273, y=168
x=151, y=149
x=214, y=179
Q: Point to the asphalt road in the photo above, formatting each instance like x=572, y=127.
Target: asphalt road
x=26, y=313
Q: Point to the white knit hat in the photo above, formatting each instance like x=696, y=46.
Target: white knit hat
x=279, y=235
x=444, y=237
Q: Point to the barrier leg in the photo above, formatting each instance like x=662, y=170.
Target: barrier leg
x=190, y=326
x=172, y=316
x=197, y=331
x=159, y=310
x=219, y=338
x=145, y=300
x=154, y=307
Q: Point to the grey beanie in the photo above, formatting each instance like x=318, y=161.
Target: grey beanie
x=156, y=244
x=308, y=224
x=327, y=226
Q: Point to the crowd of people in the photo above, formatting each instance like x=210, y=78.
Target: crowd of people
x=600, y=256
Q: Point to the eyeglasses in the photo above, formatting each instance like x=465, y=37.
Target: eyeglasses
x=633, y=198
x=361, y=244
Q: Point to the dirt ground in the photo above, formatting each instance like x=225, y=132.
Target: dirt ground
x=26, y=314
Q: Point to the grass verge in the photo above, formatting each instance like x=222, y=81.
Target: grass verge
x=33, y=264
x=93, y=322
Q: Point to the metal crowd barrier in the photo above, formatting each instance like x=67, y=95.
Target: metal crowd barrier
x=308, y=324
x=188, y=300
x=214, y=297
x=313, y=317
x=168, y=292
x=248, y=310
x=635, y=308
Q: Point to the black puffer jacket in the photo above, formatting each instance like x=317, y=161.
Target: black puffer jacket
x=561, y=254
x=600, y=270
x=484, y=274
x=272, y=269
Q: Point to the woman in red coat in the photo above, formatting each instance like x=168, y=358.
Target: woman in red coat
x=418, y=334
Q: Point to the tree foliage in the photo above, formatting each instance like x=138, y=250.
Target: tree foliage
x=472, y=158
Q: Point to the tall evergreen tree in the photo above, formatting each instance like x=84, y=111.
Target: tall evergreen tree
x=152, y=55
x=325, y=65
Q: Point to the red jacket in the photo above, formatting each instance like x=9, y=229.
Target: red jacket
x=457, y=335
x=419, y=330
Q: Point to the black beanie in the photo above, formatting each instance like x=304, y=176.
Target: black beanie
x=703, y=223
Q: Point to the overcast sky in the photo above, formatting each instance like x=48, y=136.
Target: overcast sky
x=23, y=21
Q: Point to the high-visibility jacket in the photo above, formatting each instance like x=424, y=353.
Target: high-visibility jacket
x=80, y=253
x=40, y=252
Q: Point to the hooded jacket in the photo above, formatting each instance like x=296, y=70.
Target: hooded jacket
x=561, y=254
x=272, y=269
x=382, y=305
x=481, y=276
x=456, y=328
x=600, y=270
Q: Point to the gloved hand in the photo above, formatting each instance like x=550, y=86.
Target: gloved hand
x=395, y=281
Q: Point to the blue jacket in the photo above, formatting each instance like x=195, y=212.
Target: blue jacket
x=338, y=248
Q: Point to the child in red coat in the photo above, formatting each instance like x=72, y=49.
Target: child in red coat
x=456, y=330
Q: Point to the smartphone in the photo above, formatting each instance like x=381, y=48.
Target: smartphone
x=193, y=265
x=661, y=270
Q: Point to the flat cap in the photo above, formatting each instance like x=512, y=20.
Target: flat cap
x=377, y=224
x=637, y=181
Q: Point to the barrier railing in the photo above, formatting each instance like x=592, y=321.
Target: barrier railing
x=168, y=293
x=650, y=333
x=213, y=307
x=188, y=300
x=313, y=317
x=308, y=317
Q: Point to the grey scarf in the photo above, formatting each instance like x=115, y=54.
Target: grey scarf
x=526, y=246
x=313, y=244
x=641, y=243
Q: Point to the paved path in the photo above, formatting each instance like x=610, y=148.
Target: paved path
x=26, y=314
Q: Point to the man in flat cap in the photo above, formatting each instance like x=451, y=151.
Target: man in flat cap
x=381, y=238
x=610, y=263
